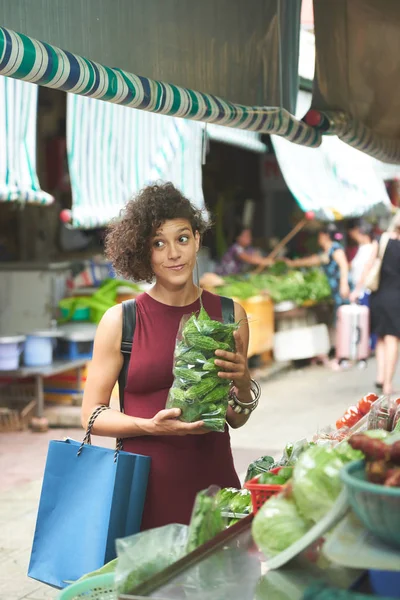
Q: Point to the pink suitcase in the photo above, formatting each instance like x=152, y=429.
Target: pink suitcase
x=352, y=332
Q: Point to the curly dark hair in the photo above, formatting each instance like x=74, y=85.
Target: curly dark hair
x=127, y=242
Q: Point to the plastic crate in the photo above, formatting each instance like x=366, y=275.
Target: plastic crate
x=73, y=350
x=260, y=492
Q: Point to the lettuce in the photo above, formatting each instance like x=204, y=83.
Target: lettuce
x=278, y=525
x=316, y=483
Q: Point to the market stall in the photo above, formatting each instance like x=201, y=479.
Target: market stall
x=324, y=523
x=285, y=309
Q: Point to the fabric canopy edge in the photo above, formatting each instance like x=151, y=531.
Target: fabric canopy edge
x=355, y=134
x=24, y=58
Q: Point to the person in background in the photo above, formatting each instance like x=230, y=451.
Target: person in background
x=333, y=261
x=241, y=255
x=362, y=234
x=385, y=306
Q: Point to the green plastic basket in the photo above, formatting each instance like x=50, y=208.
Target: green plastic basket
x=377, y=506
x=98, y=587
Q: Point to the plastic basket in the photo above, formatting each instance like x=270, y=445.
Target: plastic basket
x=260, y=492
x=377, y=506
x=98, y=587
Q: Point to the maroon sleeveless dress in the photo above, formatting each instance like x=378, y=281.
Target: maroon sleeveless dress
x=180, y=466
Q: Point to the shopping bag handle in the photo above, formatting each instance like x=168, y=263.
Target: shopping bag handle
x=88, y=439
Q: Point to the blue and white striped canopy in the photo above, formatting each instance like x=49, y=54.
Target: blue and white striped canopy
x=18, y=111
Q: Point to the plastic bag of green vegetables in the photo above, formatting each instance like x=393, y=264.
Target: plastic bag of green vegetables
x=261, y=465
x=147, y=553
x=197, y=390
x=237, y=502
x=206, y=521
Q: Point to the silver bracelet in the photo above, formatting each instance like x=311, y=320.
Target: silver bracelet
x=245, y=407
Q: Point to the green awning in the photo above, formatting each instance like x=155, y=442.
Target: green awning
x=18, y=112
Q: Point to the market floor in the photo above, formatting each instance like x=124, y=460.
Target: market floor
x=294, y=405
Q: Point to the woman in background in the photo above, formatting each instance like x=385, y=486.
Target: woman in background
x=385, y=305
x=362, y=234
x=333, y=261
x=241, y=255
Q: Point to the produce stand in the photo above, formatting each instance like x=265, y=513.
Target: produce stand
x=38, y=374
x=230, y=566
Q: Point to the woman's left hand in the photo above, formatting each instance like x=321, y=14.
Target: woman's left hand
x=234, y=365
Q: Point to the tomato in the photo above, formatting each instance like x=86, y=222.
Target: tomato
x=340, y=423
x=364, y=405
x=397, y=401
x=351, y=417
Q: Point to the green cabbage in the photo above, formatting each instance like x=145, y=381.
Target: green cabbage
x=278, y=525
x=316, y=483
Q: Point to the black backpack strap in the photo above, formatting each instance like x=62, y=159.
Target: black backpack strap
x=128, y=330
x=228, y=310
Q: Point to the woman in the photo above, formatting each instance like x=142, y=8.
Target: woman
x=333, y=261
x=240, y=256
x=157, y=239
x=361, y=233
x=385, y=305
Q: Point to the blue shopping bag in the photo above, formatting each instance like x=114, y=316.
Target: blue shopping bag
x=88, y=499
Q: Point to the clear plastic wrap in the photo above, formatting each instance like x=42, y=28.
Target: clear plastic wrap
x=197, y=390
x=382, y=414
x=207, y=520
x=262, y=465
x=144, y=554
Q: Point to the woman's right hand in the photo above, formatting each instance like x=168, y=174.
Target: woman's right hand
x=166, y=422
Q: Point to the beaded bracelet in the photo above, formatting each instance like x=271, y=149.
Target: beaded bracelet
x=245, y=407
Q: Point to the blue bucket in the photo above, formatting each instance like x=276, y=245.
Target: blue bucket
x=10, y=350
x=39, y=349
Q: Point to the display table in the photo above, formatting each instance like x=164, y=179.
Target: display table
x=39, y=373
x=230, y=566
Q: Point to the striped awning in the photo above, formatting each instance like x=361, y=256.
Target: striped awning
x=248, y=140
x=113, y=151
x=18, y=112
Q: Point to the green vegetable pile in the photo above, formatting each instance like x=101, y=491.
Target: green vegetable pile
x=281, y=284
x=197, y=390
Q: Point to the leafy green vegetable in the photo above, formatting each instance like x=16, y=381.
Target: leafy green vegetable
x=271, y=479
x=316, y=483
x=278, y=525
x=206, y=521
x=286, y=473
x=261, y=465
x=234, y=501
